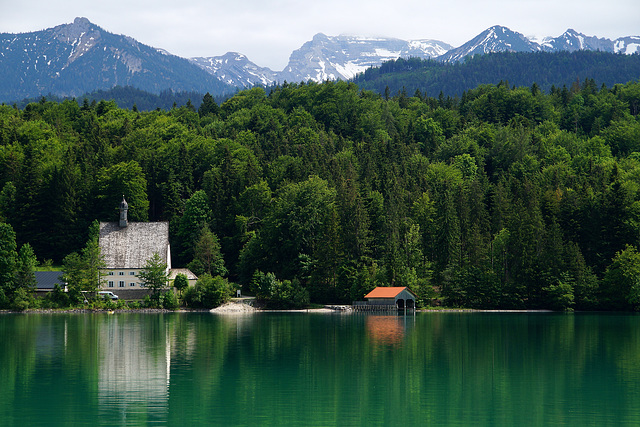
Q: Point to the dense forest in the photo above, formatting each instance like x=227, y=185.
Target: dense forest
x=132, y=98
x=432, y=77
x=505, y=197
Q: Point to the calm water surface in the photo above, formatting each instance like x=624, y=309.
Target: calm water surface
x=318, y=369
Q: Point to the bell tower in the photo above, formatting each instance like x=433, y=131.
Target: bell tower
x=124, y=207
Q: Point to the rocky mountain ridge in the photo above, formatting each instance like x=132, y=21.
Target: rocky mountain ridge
x=343, y=57
x=72, y=59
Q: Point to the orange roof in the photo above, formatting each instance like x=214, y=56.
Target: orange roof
x=384, y=292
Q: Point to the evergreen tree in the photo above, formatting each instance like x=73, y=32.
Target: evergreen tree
x=208, y=106
x=153, y=276
x=8, y=263
x=207, y=256
x=25, y=277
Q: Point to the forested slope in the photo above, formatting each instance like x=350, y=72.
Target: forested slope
x=507, y=197
x=547, y=69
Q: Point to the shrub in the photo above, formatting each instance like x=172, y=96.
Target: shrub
x=134, y=305
x=21, y=300
x=209, y=292
x=58, y=298
x=278, y=294
x=169, y=300
x=4, y=301
x=181, y=283
x=146, y=302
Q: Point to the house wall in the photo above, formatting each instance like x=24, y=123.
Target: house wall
x=131, y=294
x=191, y=282
x=381, y=301
x=115, y=276
x=405, y=296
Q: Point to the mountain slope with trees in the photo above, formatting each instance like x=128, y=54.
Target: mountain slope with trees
x=73, y=59
x=546, y=69
x=507, y=197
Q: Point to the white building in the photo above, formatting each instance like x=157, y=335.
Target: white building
x=126, y=247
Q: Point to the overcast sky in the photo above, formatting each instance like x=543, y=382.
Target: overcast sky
x=267, y=31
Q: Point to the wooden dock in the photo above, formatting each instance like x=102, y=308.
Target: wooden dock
x=365, y=306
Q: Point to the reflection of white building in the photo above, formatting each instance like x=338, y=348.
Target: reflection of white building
x=134, y=370
x=126, y=247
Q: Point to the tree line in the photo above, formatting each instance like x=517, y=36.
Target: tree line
x=547, y=69
x=507, y=197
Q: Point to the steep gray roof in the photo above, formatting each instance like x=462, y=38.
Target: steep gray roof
x=132, y=246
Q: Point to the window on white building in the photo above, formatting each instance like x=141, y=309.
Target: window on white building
x=111, y=283
x=132, y=273
x=111, y=273
x=121, y=284
x=132, y=284
x=121, y=273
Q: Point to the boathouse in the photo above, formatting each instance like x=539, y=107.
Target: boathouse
x=388, y=298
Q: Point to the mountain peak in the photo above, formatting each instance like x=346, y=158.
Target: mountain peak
x=344, y=56
x=80, y=57
x=81, y=21
x=498, y=28
x=494, y=39
x=68, y=33
x=320, y=37
x=572, y=40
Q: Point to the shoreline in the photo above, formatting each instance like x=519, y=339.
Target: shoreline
x=242, y=307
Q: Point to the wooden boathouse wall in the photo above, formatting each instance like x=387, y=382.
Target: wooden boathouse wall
x=366, y=306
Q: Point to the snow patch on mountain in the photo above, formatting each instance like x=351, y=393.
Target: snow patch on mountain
x=235, y=69
x=327, y=58
x=627, y=45
x=494, y=39
x=65, y=53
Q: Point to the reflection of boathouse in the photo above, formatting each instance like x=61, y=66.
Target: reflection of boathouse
x=387, y=299
x=387, y=330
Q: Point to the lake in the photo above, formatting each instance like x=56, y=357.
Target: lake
x=320, y=369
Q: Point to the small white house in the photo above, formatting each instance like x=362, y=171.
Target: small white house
x=191, y=277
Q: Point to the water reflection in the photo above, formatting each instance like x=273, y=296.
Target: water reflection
x=134, y=370
x=386, y=330
x=303, y=369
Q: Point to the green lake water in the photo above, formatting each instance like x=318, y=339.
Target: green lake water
x=466, y=369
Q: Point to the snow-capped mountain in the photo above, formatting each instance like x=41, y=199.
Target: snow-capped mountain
x=494, y=39
x=235, y=69
x=342, y=57
x=627, y=45
x=73, y=59
x=502, y=39
x=322, y=58
x=572, y=40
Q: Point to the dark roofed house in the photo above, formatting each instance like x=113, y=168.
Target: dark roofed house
x=126, y=247
x=47, y=280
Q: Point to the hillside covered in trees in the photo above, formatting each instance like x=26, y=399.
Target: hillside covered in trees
x=503, y=198
x=547, y=69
